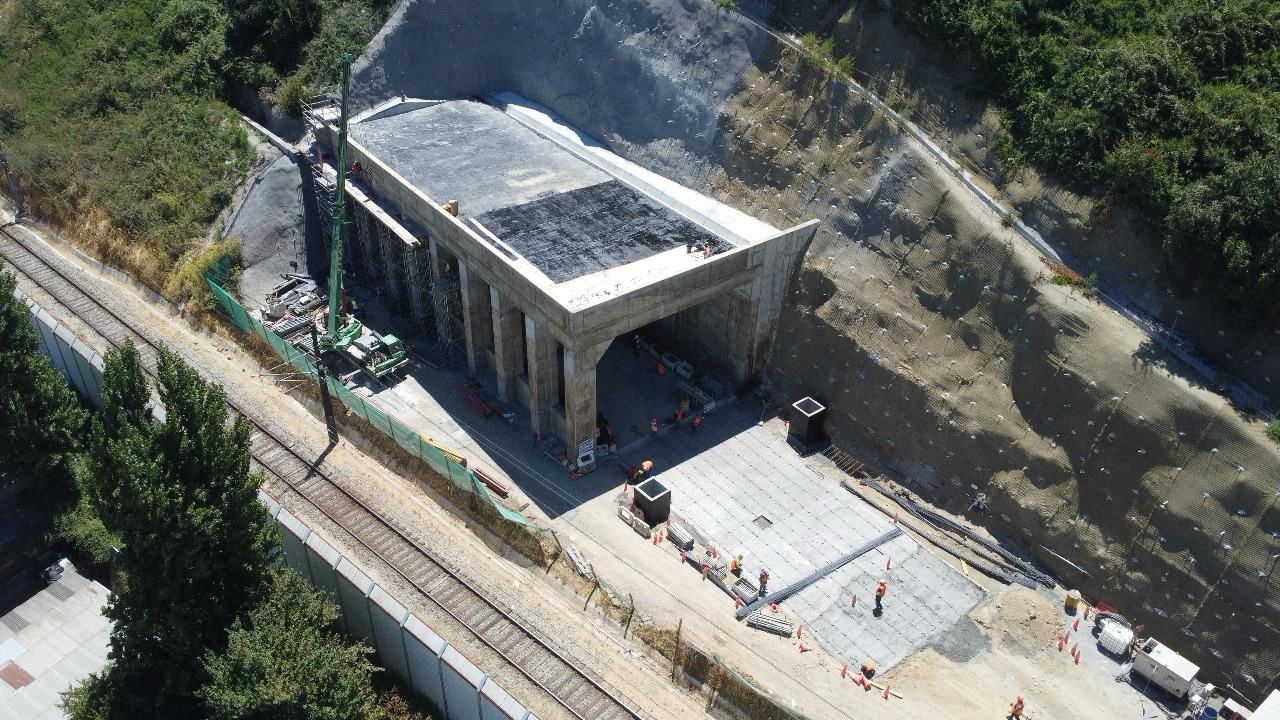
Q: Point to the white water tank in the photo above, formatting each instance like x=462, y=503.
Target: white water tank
x=1115, y=637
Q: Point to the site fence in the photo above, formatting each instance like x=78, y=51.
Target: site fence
x=410, y=440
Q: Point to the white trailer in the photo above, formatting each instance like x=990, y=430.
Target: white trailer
x=1164, y=667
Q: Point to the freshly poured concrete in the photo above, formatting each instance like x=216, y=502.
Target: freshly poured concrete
x=473, y=153
x=740, y=486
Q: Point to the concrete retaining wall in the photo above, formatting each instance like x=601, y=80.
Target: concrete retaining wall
x=407, y=647
x=78, y=363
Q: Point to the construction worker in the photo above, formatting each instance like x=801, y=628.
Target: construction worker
x=662, y=368
x=653, y=427
x=645, y=467
x=679, y=416
x=356, y=168
x=697, y=420
x=881, y=588
x=735, y=565
x=635, y=345
x=764, y=582
x=1016, y=710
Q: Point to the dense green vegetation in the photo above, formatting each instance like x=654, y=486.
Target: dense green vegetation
x=196, y=542
x=1172, y=105
x=41, y=420
x=114, y=113
x=207, y=624
x=285, y=662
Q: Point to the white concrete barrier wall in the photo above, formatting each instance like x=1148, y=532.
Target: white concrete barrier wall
x=406, y=646
x=78, y=363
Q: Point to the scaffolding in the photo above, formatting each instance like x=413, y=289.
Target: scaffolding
x=446, y=299
x=370, y=252
x=417, y=277
x=392, y=250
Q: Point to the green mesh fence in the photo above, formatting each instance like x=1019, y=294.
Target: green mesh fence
x=412, y=442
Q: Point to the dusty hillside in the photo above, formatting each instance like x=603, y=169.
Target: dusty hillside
x=950, y=361
x=945, y=95
x=948, y=358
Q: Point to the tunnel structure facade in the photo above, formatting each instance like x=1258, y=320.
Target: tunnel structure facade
x=493, y=225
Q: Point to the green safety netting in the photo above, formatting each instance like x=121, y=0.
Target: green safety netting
x=413, y=442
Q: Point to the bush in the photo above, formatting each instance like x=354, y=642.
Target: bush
x=1174, y=106
x=222, y=259
x=1273, y=429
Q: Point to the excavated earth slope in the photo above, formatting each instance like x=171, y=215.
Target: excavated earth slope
x=948, y=359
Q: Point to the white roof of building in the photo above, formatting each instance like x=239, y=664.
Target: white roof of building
x=50, y=642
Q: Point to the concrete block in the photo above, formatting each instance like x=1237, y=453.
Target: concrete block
x=423, y=648
x=387, y=617
x=462, y=683
x=294, y=534
x=322, y=562
x=497, y=704
x=353, y=593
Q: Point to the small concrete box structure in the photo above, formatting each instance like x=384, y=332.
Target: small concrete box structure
x=806, y=421
x=654, y=499
x=1165, y=668
x=557, y=247
x=1270, y=708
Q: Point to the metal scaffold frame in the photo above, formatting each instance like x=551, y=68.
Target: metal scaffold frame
x=417, y=283
x=446, y=298
x=392, y=248
x=370, y=252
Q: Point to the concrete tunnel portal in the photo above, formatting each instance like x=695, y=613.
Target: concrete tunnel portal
x=529, y=249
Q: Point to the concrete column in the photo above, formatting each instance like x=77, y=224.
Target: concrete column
x=540, y=345
x=508, y=344
x=437, y=258
x=580, y=394
x=477, y=319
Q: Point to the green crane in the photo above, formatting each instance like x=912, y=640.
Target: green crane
x=336, y=336
x=377, y=354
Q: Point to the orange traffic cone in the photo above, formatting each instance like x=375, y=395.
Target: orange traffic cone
x=1077, y=659
x=885, y=694
x=859, y=680
x=799, y=631
x=773, y=607
x=654, y=537
x=1075, y=649
x=803, y=648
x=737, y=602
x=1075, y=625
x=1061, y=641
x=888, y=563
x=844, y=671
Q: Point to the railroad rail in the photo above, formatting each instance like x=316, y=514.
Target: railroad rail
x=567, y=683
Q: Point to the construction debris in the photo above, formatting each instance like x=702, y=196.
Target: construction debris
x=770, y=624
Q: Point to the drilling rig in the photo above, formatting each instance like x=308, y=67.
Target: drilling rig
x=343, y=333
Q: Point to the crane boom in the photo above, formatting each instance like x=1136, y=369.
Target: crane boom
x=334, y=337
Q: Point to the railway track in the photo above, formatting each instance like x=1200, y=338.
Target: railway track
x=567, y=683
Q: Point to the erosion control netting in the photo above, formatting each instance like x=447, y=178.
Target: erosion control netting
x=1163, y=498
x=411, y=441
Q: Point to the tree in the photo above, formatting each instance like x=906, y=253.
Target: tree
x=41, y=419
x=197, y=544
x=285, y=662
